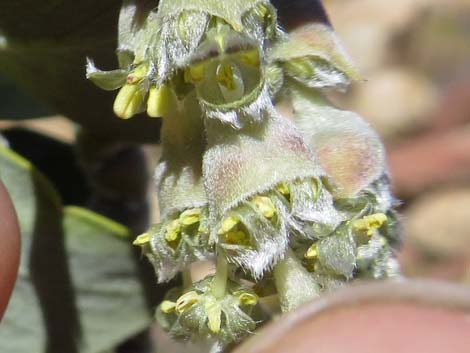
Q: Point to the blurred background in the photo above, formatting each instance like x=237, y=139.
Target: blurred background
x=415, y=58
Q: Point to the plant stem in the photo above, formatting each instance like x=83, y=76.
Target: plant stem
x=187, y=278
x=219, y=284
x=293, y=282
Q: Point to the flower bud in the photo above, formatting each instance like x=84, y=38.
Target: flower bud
x=198, y=314
x=159, y=101
x=128, y=101
x=313, y=56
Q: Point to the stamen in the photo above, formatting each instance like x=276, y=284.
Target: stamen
x=173, y=230
x=228, y=224
x=370, y=223
x=230, y=82
x=214, y=315
x=247, y=298
x=167, y=306
x=264, y=205
x=190, y=216
x=186, y=301
x=142, y=239
x=283, y=188
x=312, y=252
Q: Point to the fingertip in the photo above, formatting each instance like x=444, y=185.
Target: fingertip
x=9, y=248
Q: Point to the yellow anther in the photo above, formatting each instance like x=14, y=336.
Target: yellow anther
x=369, y=223
x=142, y=239
x=159, y=101
x=173, y=230
x=225, y=76
x=230, y=81
x=250, y=57
x=283, y=188
x=186, y=301
x=262, y=10
x=312, y=252
x=237, y=237
x=195, y=73
x=128, y=101
x=228, y=224
x=190, y=216
x=214, y=315
x=247, y=298
x=167, y=306
x=265, y=205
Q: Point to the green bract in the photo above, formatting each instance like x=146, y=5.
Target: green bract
x=302, y=204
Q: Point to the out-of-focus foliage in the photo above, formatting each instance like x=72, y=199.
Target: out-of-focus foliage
x=64, y=299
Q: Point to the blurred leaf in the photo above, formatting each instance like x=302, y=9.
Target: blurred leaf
x=46, y=153
x=78, y=288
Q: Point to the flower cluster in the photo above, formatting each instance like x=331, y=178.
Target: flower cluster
x=296, y=201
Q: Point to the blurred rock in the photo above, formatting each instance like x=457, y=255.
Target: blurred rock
x=437, y=222
x=438, y=236
x=426, y=162
x=366, y=26
x=395, y=100
x=437, y=40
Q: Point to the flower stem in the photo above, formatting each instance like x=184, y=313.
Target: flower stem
x=219, y=284
x=187, y=278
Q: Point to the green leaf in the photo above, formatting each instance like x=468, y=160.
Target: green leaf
x=78, y=288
